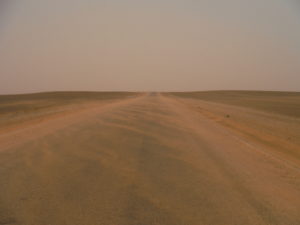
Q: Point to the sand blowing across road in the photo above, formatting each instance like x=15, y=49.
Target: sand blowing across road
x=203, y=158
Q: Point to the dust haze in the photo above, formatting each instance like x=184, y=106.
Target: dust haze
x=128, y=112
x=149, y=45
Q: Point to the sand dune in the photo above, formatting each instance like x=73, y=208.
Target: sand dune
x=128, y=158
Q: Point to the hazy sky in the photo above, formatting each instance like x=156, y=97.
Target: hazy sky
x=143, y=45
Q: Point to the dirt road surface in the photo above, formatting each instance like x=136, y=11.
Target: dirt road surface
x=145, y=160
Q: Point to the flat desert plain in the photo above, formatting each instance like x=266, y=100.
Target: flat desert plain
x=198, y=158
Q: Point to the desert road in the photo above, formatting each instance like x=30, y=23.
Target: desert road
x=149, y=159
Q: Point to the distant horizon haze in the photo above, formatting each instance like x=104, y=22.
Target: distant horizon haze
x=149, y=46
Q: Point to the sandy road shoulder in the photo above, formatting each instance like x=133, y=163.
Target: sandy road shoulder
x=182, y=108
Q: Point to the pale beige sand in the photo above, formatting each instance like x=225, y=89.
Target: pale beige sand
x=149, y=159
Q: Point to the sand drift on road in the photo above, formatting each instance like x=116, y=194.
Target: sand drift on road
x=202, y=158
